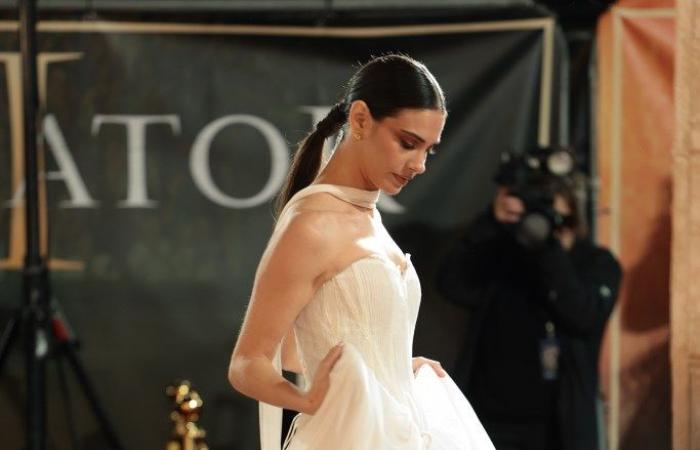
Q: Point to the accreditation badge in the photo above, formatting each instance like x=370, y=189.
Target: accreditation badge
x=549, y=354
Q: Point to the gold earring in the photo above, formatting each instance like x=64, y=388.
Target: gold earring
x=357, y=136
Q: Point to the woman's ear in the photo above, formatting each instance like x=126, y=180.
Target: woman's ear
x=359, y=119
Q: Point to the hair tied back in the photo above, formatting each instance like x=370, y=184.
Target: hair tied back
x=333, y=121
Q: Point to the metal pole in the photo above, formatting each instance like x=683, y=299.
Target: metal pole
x=36, y=342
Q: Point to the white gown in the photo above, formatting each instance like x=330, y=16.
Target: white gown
x=374, y=402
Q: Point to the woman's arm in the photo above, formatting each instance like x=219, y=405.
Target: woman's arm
x=285, y=281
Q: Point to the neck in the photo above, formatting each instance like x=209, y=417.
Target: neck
x=343, y=169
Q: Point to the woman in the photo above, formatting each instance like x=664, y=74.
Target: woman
x=339, y=297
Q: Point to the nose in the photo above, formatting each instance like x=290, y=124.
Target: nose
x=417, y=165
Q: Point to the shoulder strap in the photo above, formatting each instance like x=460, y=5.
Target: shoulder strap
x=310, y=190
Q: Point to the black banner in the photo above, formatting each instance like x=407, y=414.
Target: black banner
x=166, y=144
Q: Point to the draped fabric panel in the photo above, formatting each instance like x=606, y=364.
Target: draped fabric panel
x=635, y=135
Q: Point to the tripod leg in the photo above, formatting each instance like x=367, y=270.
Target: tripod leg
x=67, y=401
x=9, y=336
x=84, y=383
x=35, y=350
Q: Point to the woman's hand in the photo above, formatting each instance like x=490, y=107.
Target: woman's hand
x=321, y=382
x=435, y=365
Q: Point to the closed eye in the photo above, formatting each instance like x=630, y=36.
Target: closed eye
x=407, y=145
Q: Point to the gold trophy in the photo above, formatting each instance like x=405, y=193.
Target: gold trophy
x=187, y=406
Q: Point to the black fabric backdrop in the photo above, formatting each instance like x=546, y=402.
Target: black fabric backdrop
x=164, y=287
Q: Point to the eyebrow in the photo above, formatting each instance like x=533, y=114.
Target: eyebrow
x=414, y=135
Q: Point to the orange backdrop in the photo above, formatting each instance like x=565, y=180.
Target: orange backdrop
x=635, y=134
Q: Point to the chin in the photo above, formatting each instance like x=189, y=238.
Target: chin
x=392, y=189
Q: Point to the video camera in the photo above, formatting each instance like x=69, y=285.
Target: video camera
x=532, y=176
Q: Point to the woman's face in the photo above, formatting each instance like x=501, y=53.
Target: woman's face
x=396, y=148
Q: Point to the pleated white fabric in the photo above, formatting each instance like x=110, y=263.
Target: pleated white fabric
x=375, y=402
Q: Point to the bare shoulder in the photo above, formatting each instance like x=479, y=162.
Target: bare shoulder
x=314, y=233
x=307, y=230
x=322, y=218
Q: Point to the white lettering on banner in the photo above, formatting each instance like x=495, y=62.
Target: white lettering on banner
x=68, y=172
x=137, y=197
x=199, y=162
x=200, y=168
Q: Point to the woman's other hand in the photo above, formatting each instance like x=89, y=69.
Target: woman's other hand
x=418, y=361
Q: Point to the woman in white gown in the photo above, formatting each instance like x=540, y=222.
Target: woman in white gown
x=334, y=297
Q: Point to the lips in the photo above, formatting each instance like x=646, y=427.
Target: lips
x=402, y=180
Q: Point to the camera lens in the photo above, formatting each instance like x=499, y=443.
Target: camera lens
x=560, y=163
x=534, y=230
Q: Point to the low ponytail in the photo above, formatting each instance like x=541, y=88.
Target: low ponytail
x=307, y=159
x=387, y=84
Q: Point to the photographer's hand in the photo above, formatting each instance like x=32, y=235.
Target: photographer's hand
x=507, y=208
x=565, y=235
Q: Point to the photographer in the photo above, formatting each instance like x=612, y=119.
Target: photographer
x=540, y=293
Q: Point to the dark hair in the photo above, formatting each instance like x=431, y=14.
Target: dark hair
x=387, y=84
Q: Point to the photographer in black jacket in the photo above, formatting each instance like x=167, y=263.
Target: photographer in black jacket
x=540, y=293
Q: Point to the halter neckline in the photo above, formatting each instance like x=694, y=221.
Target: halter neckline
x=353, y=195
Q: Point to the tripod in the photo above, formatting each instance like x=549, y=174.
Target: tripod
x=44, y=330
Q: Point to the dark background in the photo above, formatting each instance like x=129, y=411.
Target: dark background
x=164, y=289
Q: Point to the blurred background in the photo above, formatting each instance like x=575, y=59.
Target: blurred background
x=169, y=129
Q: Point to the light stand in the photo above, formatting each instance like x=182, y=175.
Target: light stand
x=45, y=331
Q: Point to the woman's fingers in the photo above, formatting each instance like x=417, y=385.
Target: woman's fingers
x=321, y=382
x=327, y=364
x=435, y=365
x=332, y=356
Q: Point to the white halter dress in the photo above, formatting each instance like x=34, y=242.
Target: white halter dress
x=375, y=402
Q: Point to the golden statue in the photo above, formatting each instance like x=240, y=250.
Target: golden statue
x=187, y=406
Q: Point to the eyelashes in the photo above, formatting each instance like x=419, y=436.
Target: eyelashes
x=407, y=145
x=410, y=146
